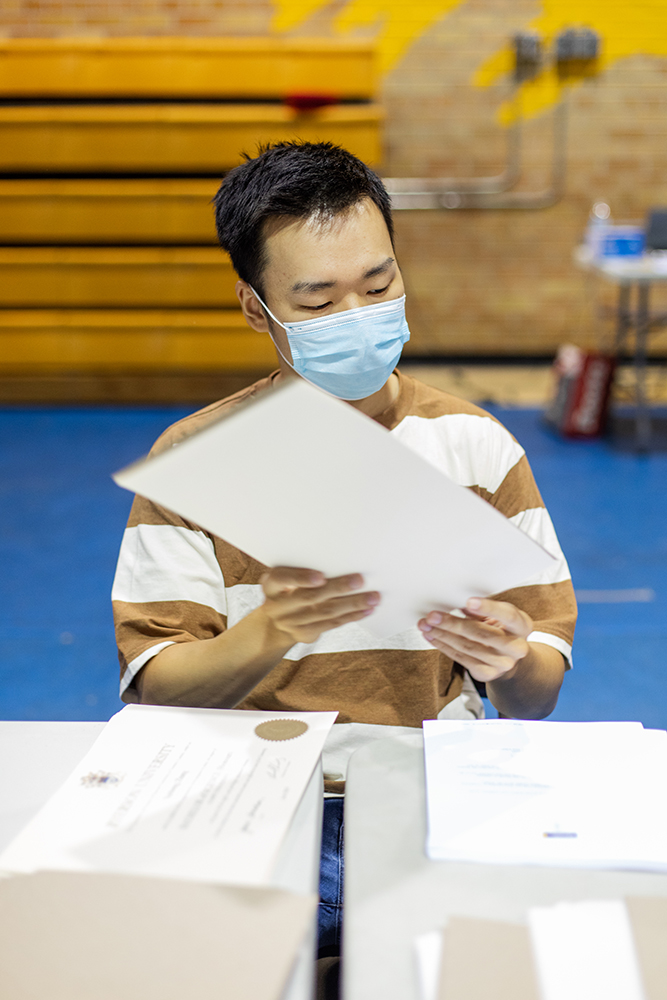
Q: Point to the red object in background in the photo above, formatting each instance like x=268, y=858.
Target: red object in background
x=310, y=102
x=581, y=403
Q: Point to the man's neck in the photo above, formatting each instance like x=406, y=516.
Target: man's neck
x=376, y=404
x=372, y=406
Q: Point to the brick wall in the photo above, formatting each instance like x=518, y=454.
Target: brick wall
x=53, y=18
x=492, y=282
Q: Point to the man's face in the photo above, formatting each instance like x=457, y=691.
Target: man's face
x=317, y=268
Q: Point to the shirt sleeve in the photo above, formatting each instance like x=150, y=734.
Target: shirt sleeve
x=547, y=597
x=168, y=587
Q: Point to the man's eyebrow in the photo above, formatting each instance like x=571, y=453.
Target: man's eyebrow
x=312, y=286
x=319, y=286
x=379, y=269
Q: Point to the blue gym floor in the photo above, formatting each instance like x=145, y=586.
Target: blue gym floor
x=61, y=520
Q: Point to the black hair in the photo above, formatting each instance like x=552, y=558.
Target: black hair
x=298, y=179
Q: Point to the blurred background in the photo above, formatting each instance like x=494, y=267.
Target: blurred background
x=524, y=145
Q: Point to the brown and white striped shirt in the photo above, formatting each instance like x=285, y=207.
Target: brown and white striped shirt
x=178, y=583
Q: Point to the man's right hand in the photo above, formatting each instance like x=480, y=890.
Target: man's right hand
x=303, y=604
x=221, y=671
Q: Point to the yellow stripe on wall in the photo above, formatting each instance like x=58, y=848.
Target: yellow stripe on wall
x=625, y=29
x=397, y=24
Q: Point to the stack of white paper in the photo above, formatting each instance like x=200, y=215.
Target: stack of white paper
x=547, y=793
x=190, y=793
x=585, y=951
x=428, y=955
x=608, y=949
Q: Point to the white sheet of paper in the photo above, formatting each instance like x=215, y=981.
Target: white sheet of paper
x=548, y=793
x=188, y=793
x=298, y=478
x=428, y=955
x=585, y=951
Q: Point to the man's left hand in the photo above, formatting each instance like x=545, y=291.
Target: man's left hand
x=488, y=642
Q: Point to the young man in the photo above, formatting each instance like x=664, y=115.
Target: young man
x=309, y=231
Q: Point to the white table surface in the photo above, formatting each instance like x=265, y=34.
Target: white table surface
x=394, y=893
x=36, y=757
x=647, y=268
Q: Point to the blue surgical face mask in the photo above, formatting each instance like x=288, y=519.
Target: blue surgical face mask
x=349, y=354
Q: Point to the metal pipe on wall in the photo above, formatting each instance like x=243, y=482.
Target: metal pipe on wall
x=575, y=54
x=435, y=193
x=503, y=181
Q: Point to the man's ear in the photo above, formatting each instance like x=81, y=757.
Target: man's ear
x=251, y=308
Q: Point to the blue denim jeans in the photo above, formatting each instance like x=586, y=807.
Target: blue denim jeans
x=330, y=918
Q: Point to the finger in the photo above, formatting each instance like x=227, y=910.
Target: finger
x=477, y=668
x=309, y=614
x=482, y=639
x=481, y=618
x=481, y=631
x=507, y=615
x=284, y=578
x=341, y=586
x=331, y=623
x=461, y=645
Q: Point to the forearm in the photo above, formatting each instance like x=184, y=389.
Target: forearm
x=530, y=690
x=299, y=605
x=217, y=672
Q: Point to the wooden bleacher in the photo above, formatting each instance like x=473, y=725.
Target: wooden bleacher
x=118, y=339
x=89, y=212
x=111, y=283
x=164, y=277
x=197, y=68
x=169, y=138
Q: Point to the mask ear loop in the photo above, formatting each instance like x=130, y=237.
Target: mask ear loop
x=273, y=341
x=289, y=363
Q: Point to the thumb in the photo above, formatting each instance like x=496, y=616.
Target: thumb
x=506, y=615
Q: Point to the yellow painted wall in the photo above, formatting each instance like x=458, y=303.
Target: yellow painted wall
x=502, y=282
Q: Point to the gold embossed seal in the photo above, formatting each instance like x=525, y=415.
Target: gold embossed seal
x=277, y=730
